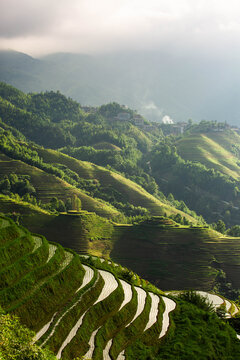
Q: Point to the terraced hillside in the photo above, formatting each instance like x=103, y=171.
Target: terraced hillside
x=160, y=250
x=214, y=149
x=130, y=191
x=177, y=257
x=48, y=186
x=134, y=193
x=79, y=306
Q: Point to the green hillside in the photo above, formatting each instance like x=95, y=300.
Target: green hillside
x=196, y=173
x=80, y=306
x=56, y=175
x=52, y=120
x=130, y=191
x=48, y=186
x=169, y=255
x=213, y=149
x=131, y=203
x=173, y=256
x=201, y=168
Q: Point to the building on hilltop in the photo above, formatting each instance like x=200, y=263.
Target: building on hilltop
x=138, y=120
x=89, y=109
x=123, y=116
x=178, y=128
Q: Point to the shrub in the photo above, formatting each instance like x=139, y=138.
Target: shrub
x=197, y=299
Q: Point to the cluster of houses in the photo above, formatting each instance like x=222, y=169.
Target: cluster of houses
x=137, y=119
x=90, y=109
x=140, y=122
x=173, y=128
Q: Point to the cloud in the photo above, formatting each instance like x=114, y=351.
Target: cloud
x=26, y=17
x=43, y=26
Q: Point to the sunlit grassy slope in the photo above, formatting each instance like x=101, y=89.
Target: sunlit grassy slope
x=135, y=194
x=48, y=186
x=213, y=149
x=9, y=206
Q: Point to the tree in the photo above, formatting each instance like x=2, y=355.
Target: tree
x=76, y=203
x=178, y=218
x=234, y=231
x=53, y=203
x=221, y=227
x=170, y=198
x=16, y=341
x=5, y=185
x=61, y=206
x=68, y=204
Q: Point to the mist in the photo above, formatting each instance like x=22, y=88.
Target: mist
x=206, y=28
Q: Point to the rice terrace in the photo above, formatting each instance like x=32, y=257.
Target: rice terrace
x=109, y=316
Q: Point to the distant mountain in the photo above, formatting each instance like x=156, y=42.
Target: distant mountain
x=154, y=83
x=21, y=70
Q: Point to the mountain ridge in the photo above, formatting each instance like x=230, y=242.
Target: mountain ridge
x=151, y=79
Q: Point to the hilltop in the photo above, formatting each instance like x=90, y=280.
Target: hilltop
x=85, y=306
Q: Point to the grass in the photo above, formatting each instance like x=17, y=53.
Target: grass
x=96, y=316
x=114, y=324
x=27, y=283
x=48, y=186
x=207, y=336
x=212, y=150
x=175, y=257
x=129, y=334
x=9, y=233
x=95, y=285
x=51, y=295
x=12, y=273
x=37, y=293
x=84, y=300
x=15, y=249
x=9, y=205
x=106, y=146
x=135, y=194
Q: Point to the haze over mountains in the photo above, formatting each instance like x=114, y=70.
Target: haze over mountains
x=155, y=83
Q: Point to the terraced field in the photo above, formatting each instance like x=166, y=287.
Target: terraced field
x=177, y=257
x=213, y=149
x=77, y=309
x=48, y=186
x=134, y=193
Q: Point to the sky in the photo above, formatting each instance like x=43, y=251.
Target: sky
x=39, y=27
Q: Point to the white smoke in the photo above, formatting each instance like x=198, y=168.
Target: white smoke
x=167, y=120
